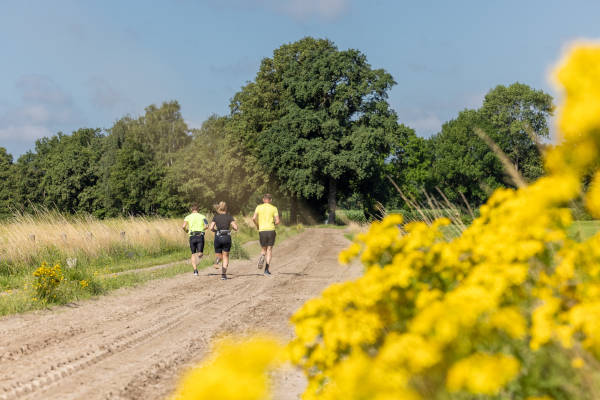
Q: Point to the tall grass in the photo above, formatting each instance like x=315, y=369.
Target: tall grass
x=90, y=251
x=26, y=240
x=430, y=209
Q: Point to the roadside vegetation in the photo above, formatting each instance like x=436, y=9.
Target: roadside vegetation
x=49, y=258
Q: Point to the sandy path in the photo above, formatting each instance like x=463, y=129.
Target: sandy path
x=134, y=343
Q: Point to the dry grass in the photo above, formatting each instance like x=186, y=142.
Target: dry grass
x=24, y=236
x=101, y=249
x=354, y=227
x=431, y=209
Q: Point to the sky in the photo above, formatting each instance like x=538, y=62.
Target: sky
x=68, y=64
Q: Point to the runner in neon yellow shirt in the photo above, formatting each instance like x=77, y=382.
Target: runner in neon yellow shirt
x=195, y=224
x=265, y=218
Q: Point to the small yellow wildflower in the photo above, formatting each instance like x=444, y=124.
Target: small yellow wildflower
x=577, y=362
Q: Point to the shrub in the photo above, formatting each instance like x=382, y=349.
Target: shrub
x=237, y=250
x=344, y=217
x=47, y=281
x=81, y=279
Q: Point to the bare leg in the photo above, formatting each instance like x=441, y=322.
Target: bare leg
x=194, y=261
x=261, y=259
x=269, y=254
x=225, y=262
x=219, y=257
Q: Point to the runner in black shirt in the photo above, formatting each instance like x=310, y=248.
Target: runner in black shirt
x=221, y=225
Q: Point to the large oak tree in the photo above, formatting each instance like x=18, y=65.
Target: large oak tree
x=318, y=119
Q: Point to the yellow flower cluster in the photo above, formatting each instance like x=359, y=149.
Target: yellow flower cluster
x=431, y=317
x=482, y=373
x=236, y=370
x=47, y=280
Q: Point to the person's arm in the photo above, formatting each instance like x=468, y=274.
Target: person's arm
x=205, y=224
x=254, y=219
x=277, y=220
x=212, y=226
x=184, y=226
x=234, y=225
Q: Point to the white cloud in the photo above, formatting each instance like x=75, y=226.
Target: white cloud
x=44, y=109
x=244, y=67
x=299, y=9
x=424, y=122
x=41, y=89
x=303, y=9
x=426, y=125
x=474, y=100
x=24, y=132
x=103, y=95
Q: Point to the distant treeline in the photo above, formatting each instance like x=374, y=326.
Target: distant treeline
x=314, y=128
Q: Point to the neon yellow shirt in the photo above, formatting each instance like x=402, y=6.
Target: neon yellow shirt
x=266, y=217
x=196, y=222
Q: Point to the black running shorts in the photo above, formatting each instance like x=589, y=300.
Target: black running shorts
x=266, y=238
x=197, y=244
x=222, y=244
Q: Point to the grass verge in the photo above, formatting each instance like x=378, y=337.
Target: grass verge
x=96, y=277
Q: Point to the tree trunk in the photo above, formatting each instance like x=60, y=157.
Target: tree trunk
x=293, y=210
x=331, y=201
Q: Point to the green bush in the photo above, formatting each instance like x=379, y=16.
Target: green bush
x=83, y=279
x=47, y=281
x=237, y=250
x=343, y=217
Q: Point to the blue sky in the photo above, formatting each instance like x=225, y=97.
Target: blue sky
x=68, y=64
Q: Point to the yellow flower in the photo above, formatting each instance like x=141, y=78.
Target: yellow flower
x=579, y=75
x=237, y=370
x=511, y=321
x=577, y=362
x=351, y=252
x=482, y=373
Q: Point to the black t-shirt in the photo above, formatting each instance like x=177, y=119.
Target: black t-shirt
x=223, y=221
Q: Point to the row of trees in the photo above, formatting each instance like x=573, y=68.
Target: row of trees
x=458, y=161
x=120, y=172
x=314, y=127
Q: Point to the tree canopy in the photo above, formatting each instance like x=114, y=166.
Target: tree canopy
x=7, y=184
x=515, y=117
x=215, y=166
x=318, y=119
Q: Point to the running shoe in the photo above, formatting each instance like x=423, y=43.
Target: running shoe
x=195, y=272
x=223, y=277
x=218, y=261
x=267, y=272
x=261, y=261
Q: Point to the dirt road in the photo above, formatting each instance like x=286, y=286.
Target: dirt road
x=135, y=343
